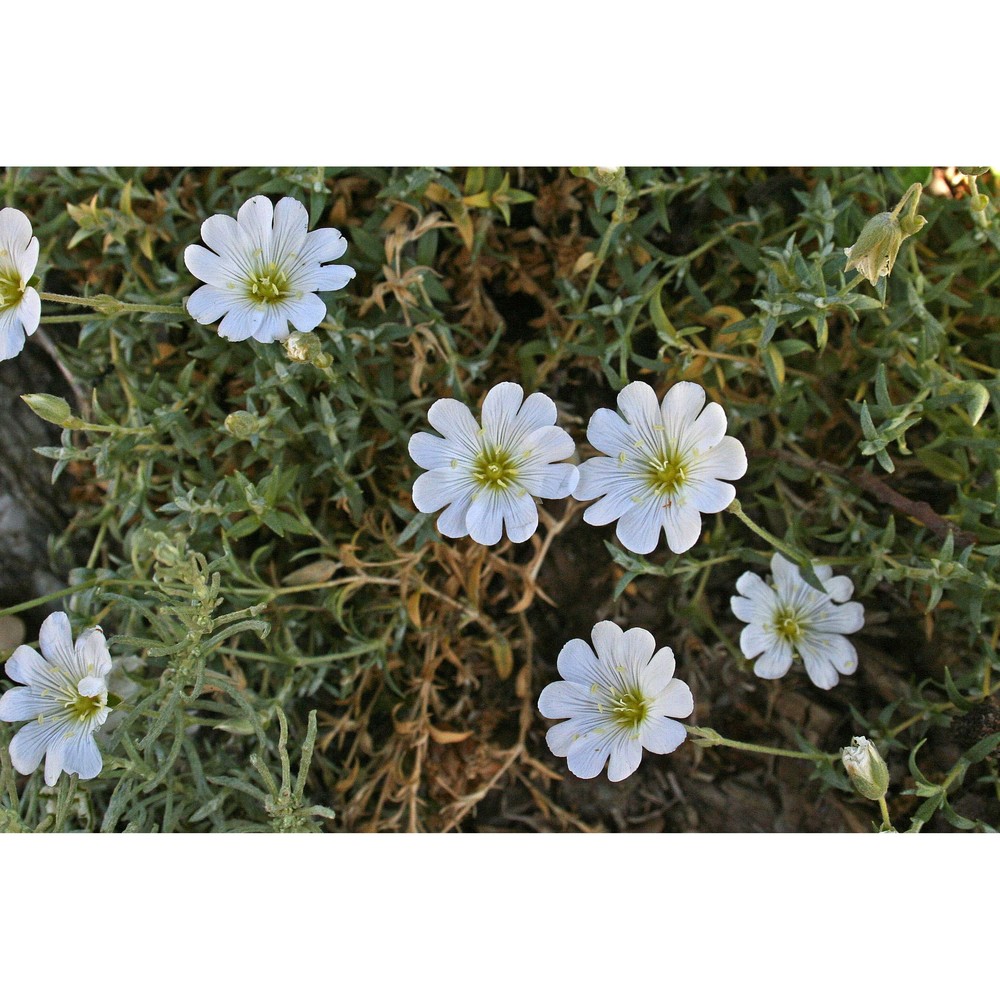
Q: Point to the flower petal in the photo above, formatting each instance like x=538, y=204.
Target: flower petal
x=587, y=757
x=680, y=408
x=11, y=334
x=288, y=236
x=727, y=460
x=663, y=735
x=639, y=406
x=29, y=312
x=659, y=672
x=565, y=700
x=22, y=703
x=674, y=700
x=206, y=304
x=213, y=269
x=438, y=487
x=30, y=743
x=763, y=597
x=56, y=641
x=432, y=452
x=548, y=443
x=453, y=419
x=605, y=636
x=26, y=667
x=323, y=245
x=331, y=278
x=639, y=527
x=626, y=755
x=635, y=649
x=775, y=660
x=305, y=311
x=256, y=219
x=708, y=430
x=222, y=233
x=843, y=618
x=609, y=433
x=683, y=525
x=826, y=657
x=79, y=756
x=15, y=231
x=754, y=639
x=91, y=651
x=563, y=735
x=577, y=663
x=242, y=321
x=709, y=495
x=550, y=482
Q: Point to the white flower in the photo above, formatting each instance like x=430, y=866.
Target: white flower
x=20, y=306
x=792, y=617
x=66, y=696
x=665, y=466
x=264, y=271
x=616, y=702
x=487, y=478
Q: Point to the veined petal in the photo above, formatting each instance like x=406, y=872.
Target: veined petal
x=26, y=667
x=774, y=661
x=710, y=496
x=609, y=433
x=79, y=756
x=452, y=522
x=605, y=636
x=22, y=703
x=607, y=509
x=680, y=408
x=659, y=672
x=754, y=639
x=484, y=519
x=635, y=649
x=564, y=700
x=274, y=325
x=256, y=218
x=15, y=231
x=604, y=475
x=674, y=700
x=727, y=460
x=438, y=487
x=29, y=311
x=520, y=516
x=639, y=527
x=586, y=757
x=323, y=245
x=332, y=277
x=91, y=651
x=842, y=618
x=242, y=321
x=661, y=735
x=452, y=418
x=839, y=588
x=432, y=452
x=213, y=269
x=625, y=757
x=304, y=310
x=820, y=663
x=752, y=587
x=26, y=261
x=56, y=641
x=549, y=482
x=563, y=735
x=30, y=743
x=222, y=234
x=708, y=430
x=683, y=526
x=11, y=334
x=578, y=663
x=548, y=443
x=639, y=406
x=206, y=304
x=288, y=236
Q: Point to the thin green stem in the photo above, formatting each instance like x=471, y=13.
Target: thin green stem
x=106, y=305
x=15, y=609
x=710, y=738
x=886, y=821
x=737, y=508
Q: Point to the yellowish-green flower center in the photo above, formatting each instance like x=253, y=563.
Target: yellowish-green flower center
x=666, y=474
x=787, y=626
x=629, y=708
x=495, y=469
x=85, y=708
x=268, y=284
x=11, y=287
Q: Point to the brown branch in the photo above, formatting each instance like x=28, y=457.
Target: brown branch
x=919, y=510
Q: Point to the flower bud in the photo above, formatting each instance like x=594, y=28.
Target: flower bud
x=875, y=251
x=865, y=768
x=306, y=348
x=242, y=424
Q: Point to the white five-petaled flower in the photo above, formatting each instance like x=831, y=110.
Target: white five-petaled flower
x=793, y=617
x=615, y=703
x=487, y=477
x=20, y=306
x=65, y=694
x=661, y=467
x=264, y=270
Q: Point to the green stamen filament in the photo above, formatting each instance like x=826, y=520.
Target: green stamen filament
x=84, y=707
x=628, y=708
x=495, y=469
x=666, y=474
x=268, y=285
x=11, y=288
x=787, y=626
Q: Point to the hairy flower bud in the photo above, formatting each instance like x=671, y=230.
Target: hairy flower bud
x=242, y=424
x=875, y=251
x=307, y=349
x=866, y=768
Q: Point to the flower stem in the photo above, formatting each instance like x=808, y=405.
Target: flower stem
x=710, y=738
x=916, y=188
x=783, y=547
x=886, y=821
x=15, y=609
x=106, y=305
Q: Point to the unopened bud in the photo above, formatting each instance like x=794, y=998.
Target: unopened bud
x=242, y=424
x=53, y=409
x=306, y=348
x=865, y=768
x=875, y=251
